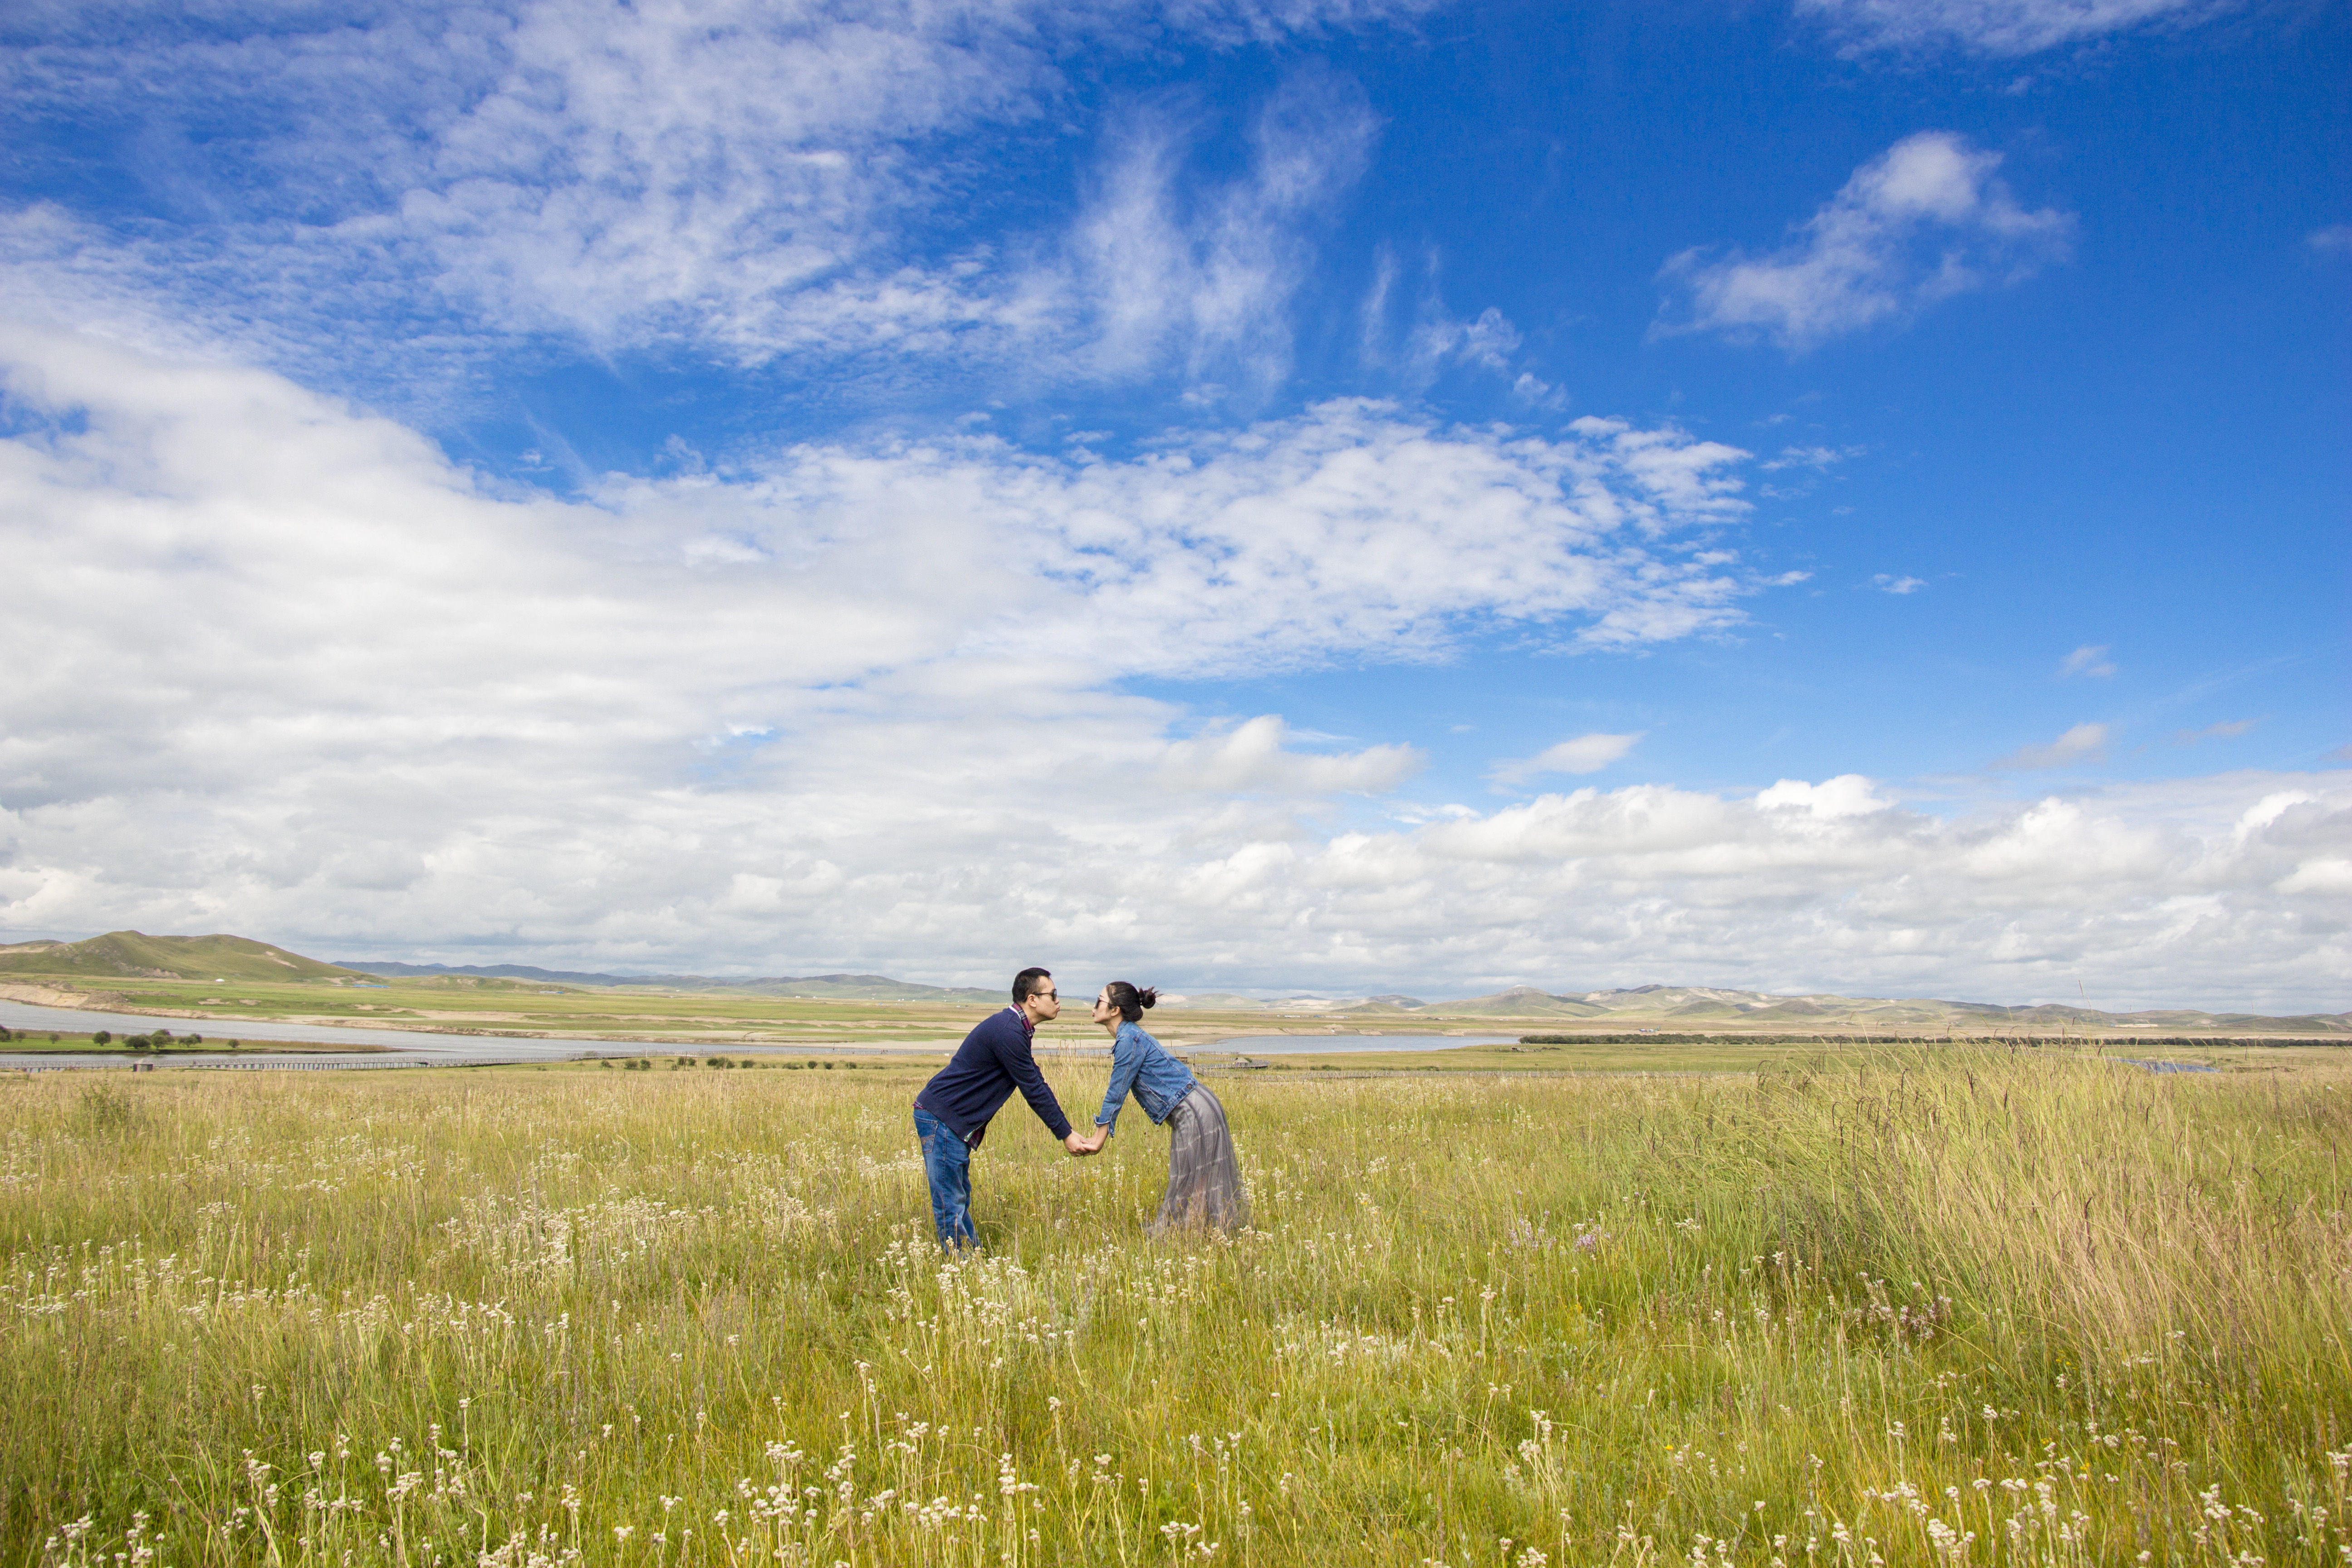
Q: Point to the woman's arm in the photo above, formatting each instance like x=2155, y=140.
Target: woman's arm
x=1126, y=1061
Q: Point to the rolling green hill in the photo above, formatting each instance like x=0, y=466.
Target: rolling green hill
x=130, y=953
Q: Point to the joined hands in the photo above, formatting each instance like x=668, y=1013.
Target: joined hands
x=1080, y=1147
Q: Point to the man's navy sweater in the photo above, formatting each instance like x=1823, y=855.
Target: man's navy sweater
x=992, y=1061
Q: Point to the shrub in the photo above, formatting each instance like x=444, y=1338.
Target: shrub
x=103, y=1036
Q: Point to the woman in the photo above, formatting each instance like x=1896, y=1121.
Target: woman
x=1204, y=1180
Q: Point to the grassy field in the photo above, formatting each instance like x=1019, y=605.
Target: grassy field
x=1770, y=1054
x=1909, y=1308
x=625, y=1017
x=51, y=1042
x=718, y=1020
x=501, y=1006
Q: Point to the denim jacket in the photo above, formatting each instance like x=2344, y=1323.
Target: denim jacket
x=1142, y=1064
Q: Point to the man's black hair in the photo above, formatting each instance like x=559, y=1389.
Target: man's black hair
x=1024, y=984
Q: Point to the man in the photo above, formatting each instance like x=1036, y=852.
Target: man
x=952, y=1111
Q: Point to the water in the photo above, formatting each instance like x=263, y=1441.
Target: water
x=403, y=1048
x=409, y=1048
x=1295, y=1045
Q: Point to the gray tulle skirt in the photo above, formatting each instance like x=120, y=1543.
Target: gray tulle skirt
x=1205, y=1179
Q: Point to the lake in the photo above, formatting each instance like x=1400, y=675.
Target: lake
x=410, y=1047
x=1295, y=1045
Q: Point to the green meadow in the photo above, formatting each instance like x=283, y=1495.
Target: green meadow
x=627, y=1015
x=1947, y=1307
x=469, y=1003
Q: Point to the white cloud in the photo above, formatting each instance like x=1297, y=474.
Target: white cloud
x=1848, y=795
x=1832, y=887
x=1584, y=754
x=2334, y=241
x=1255, y=757
x=2334, y=876
x=1887, y=584
x=301, y=678
x=1818, y=459
x=2089, y=659
x=1998, y=26
x=1926, y=220
x=2082, y=743
x=493, y=713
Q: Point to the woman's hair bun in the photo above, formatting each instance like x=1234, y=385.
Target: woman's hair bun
x=1148, y=996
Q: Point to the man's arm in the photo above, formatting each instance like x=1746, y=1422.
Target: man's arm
x=1022, y=1064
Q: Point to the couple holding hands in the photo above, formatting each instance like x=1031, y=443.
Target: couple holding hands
x=952, y=1113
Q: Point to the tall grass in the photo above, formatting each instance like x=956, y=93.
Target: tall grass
x=1869, y=1309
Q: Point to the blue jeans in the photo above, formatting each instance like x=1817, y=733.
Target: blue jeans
x=948, y=1163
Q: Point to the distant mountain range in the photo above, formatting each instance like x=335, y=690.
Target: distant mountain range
x=824, y=987
x=130, y=953
x=1700, y=1007
x=1703, y=1006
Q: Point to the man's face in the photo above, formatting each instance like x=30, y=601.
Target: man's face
x=1046, y=1002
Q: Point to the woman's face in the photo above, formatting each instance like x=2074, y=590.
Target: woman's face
x=1104, y=1012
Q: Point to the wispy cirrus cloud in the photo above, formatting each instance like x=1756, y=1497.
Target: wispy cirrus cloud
x=1416, y=335
x=2086, y=743
x=1820, y=459
x=1997, y=27
x=2224, y=729
x=750, y=182
x=2090, y=659
x=1203, y=272
x=1924, y=221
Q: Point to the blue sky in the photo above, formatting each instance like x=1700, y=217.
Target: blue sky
x=1845, y=495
